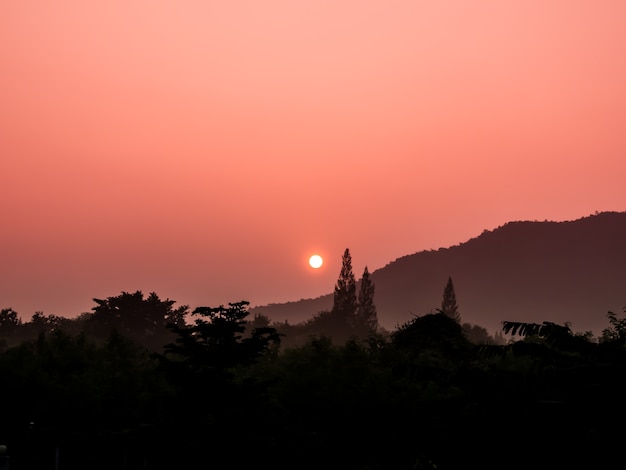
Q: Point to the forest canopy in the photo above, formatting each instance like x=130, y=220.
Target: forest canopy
x=142, y=383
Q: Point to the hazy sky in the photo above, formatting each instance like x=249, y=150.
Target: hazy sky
x=204, y=150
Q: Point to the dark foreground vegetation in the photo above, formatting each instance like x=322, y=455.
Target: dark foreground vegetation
x=140, y=384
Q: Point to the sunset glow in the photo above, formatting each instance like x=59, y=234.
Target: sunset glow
x=186, y=147
x=316, y=261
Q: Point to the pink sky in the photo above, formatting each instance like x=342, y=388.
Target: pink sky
x=204, y=150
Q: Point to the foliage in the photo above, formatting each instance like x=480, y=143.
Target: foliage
x=344, y=297
x=209, y=364
x=9, y=324
x=221, y=391
x=557, y=336
x=70, y=392
x=9, y=320
x=366, y=318
x=145, y=320
x=215, y=343
x=431, y=351
x=448, y=304
x=477, y=334
x=616, y=332
x=330, y=325
x=333, y=402
x=433, y=330
x=350, y=317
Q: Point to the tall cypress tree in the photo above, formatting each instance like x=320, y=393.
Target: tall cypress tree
x=366, y=317
x=344, y=299
x=448, y=304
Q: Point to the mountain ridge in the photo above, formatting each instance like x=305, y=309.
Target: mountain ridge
x=566, y=272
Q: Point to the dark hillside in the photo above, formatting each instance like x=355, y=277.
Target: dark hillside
x=572, y=271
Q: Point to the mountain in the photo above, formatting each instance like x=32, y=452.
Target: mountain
x=573, y=271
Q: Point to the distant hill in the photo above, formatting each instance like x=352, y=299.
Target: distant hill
x=572, y=271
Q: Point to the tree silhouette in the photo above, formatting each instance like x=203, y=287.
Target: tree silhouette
x=366, y=317
x=448, y=304
x=209, y=364
x=41, y=323
x=616, y=333
x=145, y=320
x=216, y=342
x=435, y=331
x=477, y=334
x=9, y=319
x=91, y=400
x=344, y=299
x=9, y=324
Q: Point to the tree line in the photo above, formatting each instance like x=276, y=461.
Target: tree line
x=140, y=383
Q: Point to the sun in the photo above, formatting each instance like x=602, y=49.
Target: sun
x=315, y=261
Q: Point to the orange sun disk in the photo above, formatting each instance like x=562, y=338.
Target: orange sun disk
x=315, y=261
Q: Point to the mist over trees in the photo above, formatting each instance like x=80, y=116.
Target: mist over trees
x=142, y=383
x=570, y=271
x=352, y=316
